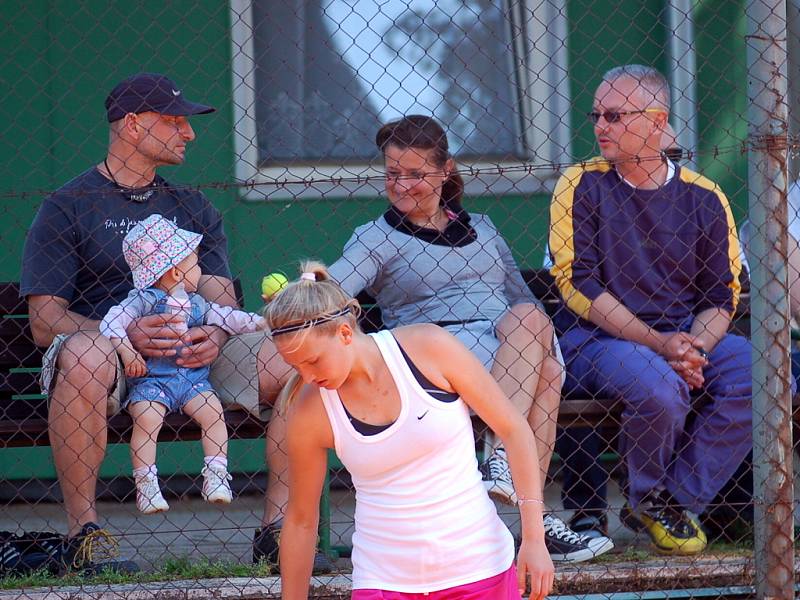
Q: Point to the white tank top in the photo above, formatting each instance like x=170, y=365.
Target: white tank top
x=423, y=520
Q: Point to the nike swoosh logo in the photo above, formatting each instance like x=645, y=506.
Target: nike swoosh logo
x=176, y=92
x=419, y=418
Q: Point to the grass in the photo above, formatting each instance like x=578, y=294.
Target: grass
x=743, y=547
x=171, y=569
x=641, y=554
x=630, y=554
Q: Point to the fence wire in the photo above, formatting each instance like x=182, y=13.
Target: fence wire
x=570, y=202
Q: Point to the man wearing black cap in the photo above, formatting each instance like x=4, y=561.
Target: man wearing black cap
x=73, y=271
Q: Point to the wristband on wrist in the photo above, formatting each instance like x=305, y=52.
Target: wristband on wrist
x=522, y=500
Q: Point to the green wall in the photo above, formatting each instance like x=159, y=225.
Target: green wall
x=60, y=60
x=720, y=27
x=62, y=57
x=174, y=458
x=602, y=36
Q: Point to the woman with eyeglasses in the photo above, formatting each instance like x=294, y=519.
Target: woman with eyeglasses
x=427, y=260
x=395, y=407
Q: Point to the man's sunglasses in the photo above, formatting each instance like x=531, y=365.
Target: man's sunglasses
x=614, y=116
x=675, y=153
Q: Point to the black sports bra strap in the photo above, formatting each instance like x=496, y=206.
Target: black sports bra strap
x=435, y=392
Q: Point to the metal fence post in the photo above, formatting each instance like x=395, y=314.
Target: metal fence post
x=772, y=444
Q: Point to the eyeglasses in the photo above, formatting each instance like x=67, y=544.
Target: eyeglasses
x=675, y=153
x=614, y=116
x=412, y=176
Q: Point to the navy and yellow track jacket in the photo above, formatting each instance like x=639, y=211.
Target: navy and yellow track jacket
x=665, y=254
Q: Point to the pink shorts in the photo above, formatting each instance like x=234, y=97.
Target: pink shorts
x=498, y=587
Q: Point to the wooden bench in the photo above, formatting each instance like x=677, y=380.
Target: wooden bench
x=23, y=410
x=23, y=418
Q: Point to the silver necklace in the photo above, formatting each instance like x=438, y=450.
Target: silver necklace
x=136, y=194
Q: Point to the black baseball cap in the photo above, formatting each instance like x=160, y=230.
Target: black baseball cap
x=154, y=92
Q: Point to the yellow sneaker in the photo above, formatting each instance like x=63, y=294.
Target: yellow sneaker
x=672, y=529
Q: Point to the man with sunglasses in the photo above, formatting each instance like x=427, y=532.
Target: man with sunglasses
x=584, y=482
x=647, y=261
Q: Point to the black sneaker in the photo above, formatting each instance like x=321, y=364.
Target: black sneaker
x=265, y=549
x=564, y=545
x=497, y=477
x=21, y=554
x=589, y=525
x=92, y=551
x=671, y=529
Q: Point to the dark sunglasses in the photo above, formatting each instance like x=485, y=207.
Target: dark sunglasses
x=614, y=116
x=675, y=153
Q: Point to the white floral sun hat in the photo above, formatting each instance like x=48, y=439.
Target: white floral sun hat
x=155, y=245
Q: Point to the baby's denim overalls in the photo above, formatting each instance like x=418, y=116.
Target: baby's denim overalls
x=166, y=382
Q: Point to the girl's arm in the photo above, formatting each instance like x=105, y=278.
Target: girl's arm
x=308, y=438
x=115, y=327
x=448, y=364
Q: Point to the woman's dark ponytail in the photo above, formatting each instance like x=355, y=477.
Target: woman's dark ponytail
x=452, y=192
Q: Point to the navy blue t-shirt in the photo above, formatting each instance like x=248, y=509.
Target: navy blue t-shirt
x=74, y=247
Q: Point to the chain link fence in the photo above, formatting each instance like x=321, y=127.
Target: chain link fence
x=561, y=200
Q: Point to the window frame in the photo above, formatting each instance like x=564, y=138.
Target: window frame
x=547, y=119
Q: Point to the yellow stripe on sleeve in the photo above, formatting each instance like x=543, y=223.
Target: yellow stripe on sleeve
x=562, y=235
x=734, y=260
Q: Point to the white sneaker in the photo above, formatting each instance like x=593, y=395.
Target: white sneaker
x=497, y=477
x=216, y=488
x=148, y=495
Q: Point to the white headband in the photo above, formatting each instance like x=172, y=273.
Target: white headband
x=311, y=322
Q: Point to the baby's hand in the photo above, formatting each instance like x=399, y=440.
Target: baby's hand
x=135, y=365
x=132, y=360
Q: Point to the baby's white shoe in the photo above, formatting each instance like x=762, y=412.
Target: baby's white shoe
x=216, y=488
x=148, y=495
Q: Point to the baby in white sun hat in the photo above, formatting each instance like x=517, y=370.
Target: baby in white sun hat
x=164, y=263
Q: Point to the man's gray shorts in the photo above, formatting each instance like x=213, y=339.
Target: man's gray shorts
x=234, y=374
